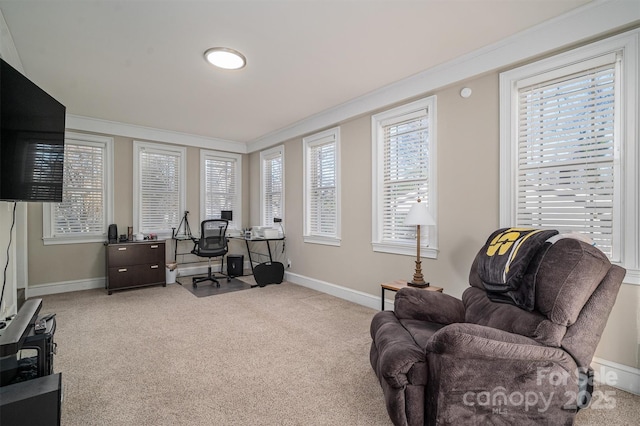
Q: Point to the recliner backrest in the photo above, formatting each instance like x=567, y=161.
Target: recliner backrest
x=568, y=274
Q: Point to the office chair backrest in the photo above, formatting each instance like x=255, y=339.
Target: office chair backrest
x=213, y=235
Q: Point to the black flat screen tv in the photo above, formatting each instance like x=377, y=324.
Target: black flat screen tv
x=31, y=140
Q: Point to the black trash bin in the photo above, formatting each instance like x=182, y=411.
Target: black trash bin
x=235, y=265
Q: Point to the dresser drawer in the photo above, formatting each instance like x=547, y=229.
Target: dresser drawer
x=136, y=275
x=135, y=253
x=135, y=264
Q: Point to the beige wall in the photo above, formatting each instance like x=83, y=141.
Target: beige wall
x=468, y=200
x=467, y=176
x=63, y=263
x=468, y=210
x=621, y=338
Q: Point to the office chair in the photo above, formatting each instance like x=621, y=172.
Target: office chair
x=212, y=243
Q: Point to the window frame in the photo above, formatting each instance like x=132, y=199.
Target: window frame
x=49, y=237
x=330, y=136
x=225, y=156
x=627, y=153
x=166, y=149
x=265, y=156
x=429, y=243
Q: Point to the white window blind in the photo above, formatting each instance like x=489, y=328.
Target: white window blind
x=82, y=210
x=322, y=202
x=272, y=186
x=160, y=189
x=567, y=172
x=405, y=173
x=221, y=178
x=87, y=195
x=404, y=169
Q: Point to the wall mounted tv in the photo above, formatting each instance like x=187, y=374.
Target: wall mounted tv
x=31, y=140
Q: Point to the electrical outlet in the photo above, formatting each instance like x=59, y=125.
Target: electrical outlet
x=288, y=263
x=4, y=312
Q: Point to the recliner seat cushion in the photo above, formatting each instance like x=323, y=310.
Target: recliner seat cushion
x=482, y=311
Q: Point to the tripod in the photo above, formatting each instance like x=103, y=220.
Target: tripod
x=187, y=229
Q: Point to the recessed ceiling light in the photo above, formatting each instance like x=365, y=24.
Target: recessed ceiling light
x=223, y=57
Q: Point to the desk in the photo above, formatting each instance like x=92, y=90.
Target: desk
x=257, y=240
x=398, y=284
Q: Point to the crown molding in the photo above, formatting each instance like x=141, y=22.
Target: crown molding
x=96, y=125
x=587, y=22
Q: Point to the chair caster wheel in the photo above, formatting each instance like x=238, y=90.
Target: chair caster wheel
x=195, y=285
x=228, y=280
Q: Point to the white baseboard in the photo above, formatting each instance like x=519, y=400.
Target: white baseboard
x=611, y=373
x=355, y=296
x=201, y=268
x=64, y=287
x=88, y=284
x=617, y=375
x=195, y=270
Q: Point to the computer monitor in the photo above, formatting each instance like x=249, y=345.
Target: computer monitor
x=226, y=214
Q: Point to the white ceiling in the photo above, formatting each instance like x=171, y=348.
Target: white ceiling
x=141, y=61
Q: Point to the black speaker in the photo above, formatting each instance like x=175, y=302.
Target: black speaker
x=113, y=233
x=235, y=265
x=268, y=273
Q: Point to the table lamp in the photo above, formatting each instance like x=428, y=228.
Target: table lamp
x=419, y=215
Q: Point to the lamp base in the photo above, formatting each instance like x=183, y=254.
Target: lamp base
x=421, y=285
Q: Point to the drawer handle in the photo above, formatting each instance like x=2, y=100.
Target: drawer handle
x=121, y=248
x=122, y=270
x=154, y=266
x=154, y=246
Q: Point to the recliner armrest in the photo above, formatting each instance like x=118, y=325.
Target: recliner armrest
x=477, y=373
x=433, y=306
x=478, y=341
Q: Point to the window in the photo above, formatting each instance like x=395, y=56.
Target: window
x=322, y=187
x=158, y=187
x=220, y=186
x=272, y=184
x=567, y=145
x=87, y=201
x=404, y=159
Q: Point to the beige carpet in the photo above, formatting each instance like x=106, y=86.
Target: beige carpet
x=278, y=355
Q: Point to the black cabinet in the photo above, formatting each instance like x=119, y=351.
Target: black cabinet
x=135, y=264
x=34, y=402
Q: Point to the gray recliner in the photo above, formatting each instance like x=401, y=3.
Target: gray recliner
x=441, y=360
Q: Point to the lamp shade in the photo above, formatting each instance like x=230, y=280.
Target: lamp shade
x=419, y=215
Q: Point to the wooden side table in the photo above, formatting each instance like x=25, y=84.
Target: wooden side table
x=398, y=284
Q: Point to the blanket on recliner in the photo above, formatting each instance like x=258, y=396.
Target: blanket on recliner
x=509, y=262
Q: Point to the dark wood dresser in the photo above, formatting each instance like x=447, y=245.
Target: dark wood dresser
x=135, y=264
